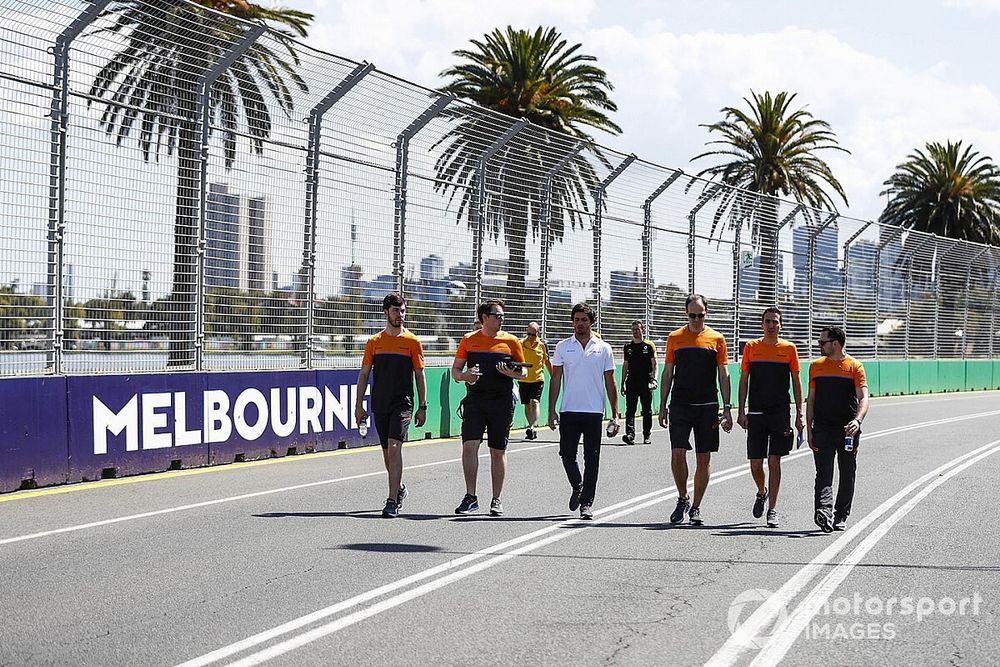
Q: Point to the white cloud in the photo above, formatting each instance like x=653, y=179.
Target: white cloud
x=979, y=6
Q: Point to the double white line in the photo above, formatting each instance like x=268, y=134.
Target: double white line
x=465, y=566
x=772, y=629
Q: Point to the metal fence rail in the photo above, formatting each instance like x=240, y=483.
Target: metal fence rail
x=239, y=200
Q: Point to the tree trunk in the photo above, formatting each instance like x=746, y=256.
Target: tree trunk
x=768, y=278
x=182, y=322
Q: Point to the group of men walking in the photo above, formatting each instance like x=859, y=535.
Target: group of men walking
x=582, y=369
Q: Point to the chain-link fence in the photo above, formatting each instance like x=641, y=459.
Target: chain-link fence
x=183, y=190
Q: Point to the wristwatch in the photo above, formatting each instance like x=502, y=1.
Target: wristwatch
x=423, y=406
x=727, y=406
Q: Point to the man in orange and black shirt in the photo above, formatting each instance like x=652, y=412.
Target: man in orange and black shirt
x=838, y=403
x=397, y=358
x=769, y=368
x=696, y=355
x=485, y=354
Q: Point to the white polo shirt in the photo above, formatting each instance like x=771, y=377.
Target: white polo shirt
x=583, y=373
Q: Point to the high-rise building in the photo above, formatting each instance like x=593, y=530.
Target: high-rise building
x=238, y=240
x=825, y=275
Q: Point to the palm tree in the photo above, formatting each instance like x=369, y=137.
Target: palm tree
x=770, y=151
x=948, y=191
x=153, y=79
x=537, y=76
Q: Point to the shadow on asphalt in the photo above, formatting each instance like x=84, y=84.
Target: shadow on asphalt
x=387, y=547
x=763, y=530
x=466, y=518
x=358, y=514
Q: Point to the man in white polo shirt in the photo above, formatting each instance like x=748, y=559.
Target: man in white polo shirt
x=589, y=369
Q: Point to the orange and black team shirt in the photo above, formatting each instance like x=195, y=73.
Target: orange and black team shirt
x=478, y=348
x=696, y=359
x=393, y=359
x=769, y=365
x=835, y=385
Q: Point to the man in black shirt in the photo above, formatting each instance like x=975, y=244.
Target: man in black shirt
x=638, y=373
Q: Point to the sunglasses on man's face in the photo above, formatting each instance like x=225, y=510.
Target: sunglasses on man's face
x=696, y=316
x=499, y=316
x=824, y=341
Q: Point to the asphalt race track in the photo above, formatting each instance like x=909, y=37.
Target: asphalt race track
x=289, y=562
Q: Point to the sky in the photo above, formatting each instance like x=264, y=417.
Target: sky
x=889, y=76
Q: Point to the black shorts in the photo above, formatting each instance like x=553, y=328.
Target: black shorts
x=492, y=416
x=530, y=391
x=393, y=424
x=702, y=419
x=769, y=433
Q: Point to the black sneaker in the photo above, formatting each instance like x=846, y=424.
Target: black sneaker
x=628, y=440
x=694, y=516
x=646, y=440
x=586, y=513
x=496, y=507
x=822, y=520
x=839, y=522
x=758, y=505
x=468, y=505
x=529, y=434
x=683, y=505
x=391, y=509
x=772, y=519
x=401, y=496
x=574, y=500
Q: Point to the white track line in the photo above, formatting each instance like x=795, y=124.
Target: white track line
x=535, y=540
x=326, y=612
x=296, y=487
x=230, y=499
x=754, y=631
x=785, y=633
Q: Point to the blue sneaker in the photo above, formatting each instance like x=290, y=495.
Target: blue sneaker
x=391, y=509
x=468, y=505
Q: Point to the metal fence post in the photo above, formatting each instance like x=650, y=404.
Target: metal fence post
x=402, y=171
x=647, y=246
x=847, y=269
x=993, y=301
x=909, y=294
x=965, y=316
x=307, y=274
x=57, y=178
x=546, y=220
x=811, y=268
x=702, y=200
x=598, y=195
x=883, y=242
x=937, y=296
x=480, y=199
x=205, y=83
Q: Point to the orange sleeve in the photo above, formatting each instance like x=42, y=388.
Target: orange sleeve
x=463, y=349
x=859, y=376
x=813, y=370
x=516, y=352
x=747, y=358
x=668, y=354
x=417, y=354
x=369, y=358
x=793, y=359
x=721, y=356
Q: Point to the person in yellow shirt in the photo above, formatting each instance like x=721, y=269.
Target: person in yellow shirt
x=536, y=353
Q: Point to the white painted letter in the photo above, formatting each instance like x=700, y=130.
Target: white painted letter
x=336, y=406
x=126, y=419
x=282, y=429
x=182, y=436
x=246, y=397
x=310, y=404
x=218, y=426
x=152, y=420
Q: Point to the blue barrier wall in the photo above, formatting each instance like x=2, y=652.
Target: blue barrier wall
x=33, y=430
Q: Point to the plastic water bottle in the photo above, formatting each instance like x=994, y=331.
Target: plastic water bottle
x=613, y=427
x=848, y=443
x=800, y=440
x=363, y=428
